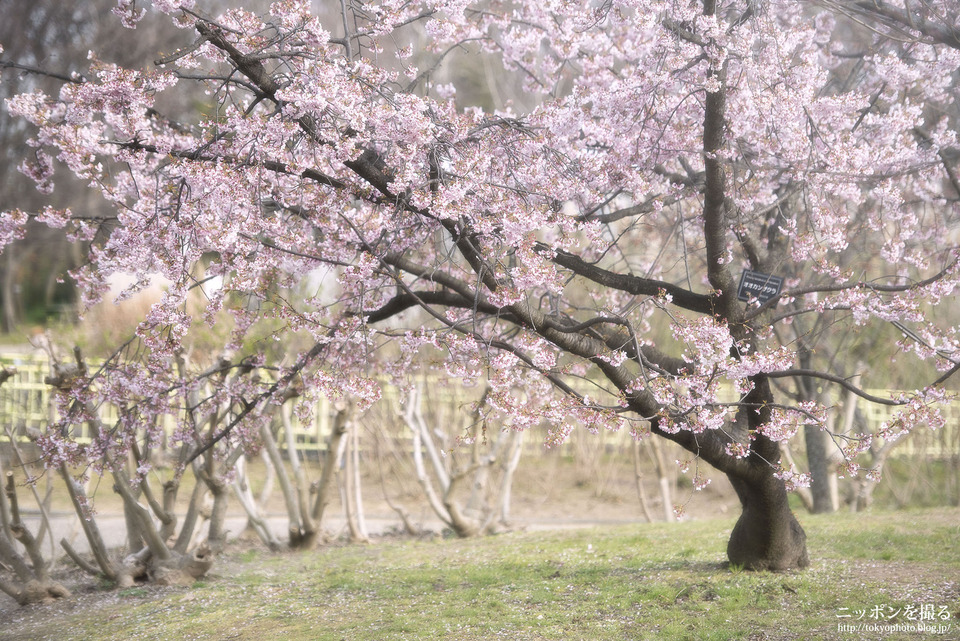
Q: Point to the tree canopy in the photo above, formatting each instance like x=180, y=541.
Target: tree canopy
x=580, y=249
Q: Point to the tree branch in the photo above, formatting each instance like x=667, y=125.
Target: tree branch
x=714, y=197
x=402, y=302
x=76, y=79
x=271, y=165
x=938, y=31
x=635, y=285
x=880, y=289
x=844, y=383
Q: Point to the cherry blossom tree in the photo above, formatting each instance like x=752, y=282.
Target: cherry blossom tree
x=581, y=253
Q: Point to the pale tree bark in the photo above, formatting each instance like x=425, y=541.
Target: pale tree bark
x=358, y=485
x=638, y=478
x=511, y=462
x=864, y=486
x=823, y=487
x=43, y=504
x=31, y=582
x=256, y=521
x=135, y=540
x=846, y=424
x=256, y=506
x=879, y=452
x=819, y=445
x=348, y=460
x=441, y=484
x=155, y=560
x=664, y=482
x=213, y=476
x=293, y=496
x=210, y=469
x=326, y=486
x=421, y=439
x=105, y=565
x=304, y=528
x=301, y=530
x=269, y=480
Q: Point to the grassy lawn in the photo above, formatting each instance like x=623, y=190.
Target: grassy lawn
x=655, y=581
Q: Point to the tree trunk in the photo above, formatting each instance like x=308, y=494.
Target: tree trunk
x=32, y=583
x=663, y=481
x=638, y=477
x=384, y=440
x=823, y=487
x=293, y=502
x=767, y=536
x=183, y=569
x=91, y=530
x=326, y=485
x=514, y=452
x=256, y=521
x=8, y=291
x=135, y=540
x=350, y=487
x=823, y=492
x=216, y=533
x=863, y=485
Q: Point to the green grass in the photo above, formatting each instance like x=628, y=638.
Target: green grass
x=656, y=581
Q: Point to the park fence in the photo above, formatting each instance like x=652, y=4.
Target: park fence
x=26, y=405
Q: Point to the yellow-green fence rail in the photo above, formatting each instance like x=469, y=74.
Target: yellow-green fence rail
x=25, y=403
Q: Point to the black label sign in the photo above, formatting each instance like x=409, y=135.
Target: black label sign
x=762, y=287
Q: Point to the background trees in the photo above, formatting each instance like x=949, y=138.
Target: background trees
x=42, y=38
x=596, y=236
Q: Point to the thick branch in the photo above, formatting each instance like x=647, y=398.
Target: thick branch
x=432, y=274
x=250, y=66
x=639, y=209
x=710, y=445
x=97, y=546
x=635, y=285
x=402, y=302
x=648, y=355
